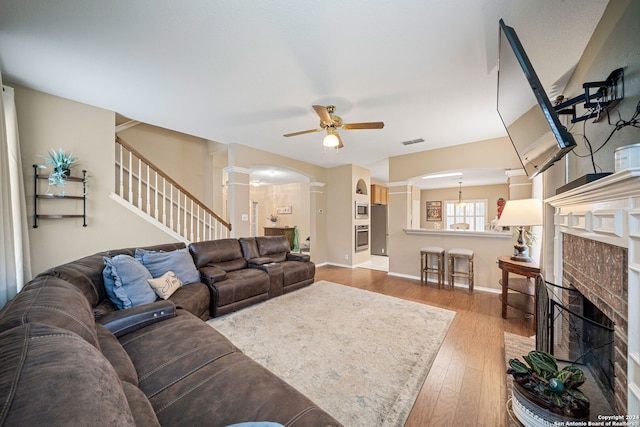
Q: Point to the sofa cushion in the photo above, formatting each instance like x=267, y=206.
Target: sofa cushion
x=225, y=254
x=163, y=247
x=51, y=376
x=85, y=274
x=210, y=372
x=241, y=285
x=178, y=261
x=275, y=247
x=125, y=280
x=116, y=355
x=165, y=285
x=195, y=298
x=296, y=271
x=249, y=247
x=51, y=301
x=141, y=408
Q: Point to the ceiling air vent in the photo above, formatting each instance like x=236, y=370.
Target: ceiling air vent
x=413, y=141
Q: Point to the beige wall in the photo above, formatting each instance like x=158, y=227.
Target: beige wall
x=296, y=195
x=614, y=44
x=243, y=157
x=360, y=178
x=404, y=249
x=183, y=157
x=46, y=122
x=339, y=214
x=489, y=154
x=489, y=192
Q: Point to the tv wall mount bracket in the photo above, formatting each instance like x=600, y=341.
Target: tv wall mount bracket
x=598, y=98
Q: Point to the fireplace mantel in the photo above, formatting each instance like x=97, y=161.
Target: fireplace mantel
x=608, y=211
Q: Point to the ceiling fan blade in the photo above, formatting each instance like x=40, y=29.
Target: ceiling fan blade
x=369, y=125
x=340, y=144
x=324, y=115
x=302, y=132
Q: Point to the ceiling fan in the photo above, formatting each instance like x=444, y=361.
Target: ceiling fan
x=332, y=123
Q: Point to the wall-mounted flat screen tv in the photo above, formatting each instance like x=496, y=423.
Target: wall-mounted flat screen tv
x=531, y=121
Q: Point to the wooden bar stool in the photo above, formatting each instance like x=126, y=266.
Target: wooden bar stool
x=461, y=254
x=426, y=268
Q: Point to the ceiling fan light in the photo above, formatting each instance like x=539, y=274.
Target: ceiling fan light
x=330, y=140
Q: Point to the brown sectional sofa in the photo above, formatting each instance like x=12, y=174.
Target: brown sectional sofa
x=69, y=357
x=245, y=271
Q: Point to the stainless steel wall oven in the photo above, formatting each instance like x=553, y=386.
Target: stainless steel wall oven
x=362, y=238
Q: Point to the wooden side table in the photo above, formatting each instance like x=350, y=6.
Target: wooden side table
x=524, y=298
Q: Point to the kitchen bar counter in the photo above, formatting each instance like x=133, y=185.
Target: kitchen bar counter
x=404, y=252
x=465, y=233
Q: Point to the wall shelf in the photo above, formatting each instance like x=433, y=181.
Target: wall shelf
x=38, y=198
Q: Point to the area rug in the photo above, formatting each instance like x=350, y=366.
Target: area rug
x=359, y=355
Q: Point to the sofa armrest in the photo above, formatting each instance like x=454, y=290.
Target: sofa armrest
x=122, y=322
x=260, y=261
x=298, y=257
x=211, y=274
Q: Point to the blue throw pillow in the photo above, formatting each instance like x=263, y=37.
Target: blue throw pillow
x=178, y=261
x=125, y=281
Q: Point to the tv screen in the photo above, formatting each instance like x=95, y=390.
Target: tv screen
x=526, y=112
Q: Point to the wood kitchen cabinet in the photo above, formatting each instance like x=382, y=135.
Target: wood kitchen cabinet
x=379, y=195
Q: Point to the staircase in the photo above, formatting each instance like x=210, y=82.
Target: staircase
x=144, y=189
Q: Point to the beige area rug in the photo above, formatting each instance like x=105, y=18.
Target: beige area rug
x=359, y=355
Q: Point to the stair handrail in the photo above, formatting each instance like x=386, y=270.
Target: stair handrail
x=164, y=175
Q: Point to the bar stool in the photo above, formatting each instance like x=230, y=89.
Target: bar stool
x=461, y=254
x=426, y=268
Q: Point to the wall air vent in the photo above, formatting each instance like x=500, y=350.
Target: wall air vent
x=413, y=141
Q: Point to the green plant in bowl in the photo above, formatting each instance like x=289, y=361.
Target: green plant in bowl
x=62, y=163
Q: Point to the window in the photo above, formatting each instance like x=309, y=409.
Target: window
x=474, y=213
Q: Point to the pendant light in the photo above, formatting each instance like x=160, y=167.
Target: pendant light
x=460, y=203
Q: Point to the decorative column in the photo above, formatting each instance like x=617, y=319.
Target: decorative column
x=318, y=221
x=238, y=199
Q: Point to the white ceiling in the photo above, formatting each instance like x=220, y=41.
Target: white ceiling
x=249, y=71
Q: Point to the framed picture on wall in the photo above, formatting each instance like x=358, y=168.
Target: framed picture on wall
x=284, y=210
x=434, y=211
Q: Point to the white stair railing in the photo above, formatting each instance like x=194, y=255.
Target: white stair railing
x=154, y=195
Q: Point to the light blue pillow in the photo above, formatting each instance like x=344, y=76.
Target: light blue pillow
x=178, y=261
x=125, y=280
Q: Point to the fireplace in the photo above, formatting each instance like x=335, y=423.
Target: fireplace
x=574, y=330
x=599, y=272
x=596, y=253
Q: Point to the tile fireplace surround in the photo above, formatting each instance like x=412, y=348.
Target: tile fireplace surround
x=597, y=249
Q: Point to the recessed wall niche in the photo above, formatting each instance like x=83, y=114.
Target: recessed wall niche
x=361, y=187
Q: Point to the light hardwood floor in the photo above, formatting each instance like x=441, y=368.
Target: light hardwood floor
x=466, y=385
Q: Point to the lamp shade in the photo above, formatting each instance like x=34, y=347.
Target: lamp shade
x=330, y=140
x=521, y=212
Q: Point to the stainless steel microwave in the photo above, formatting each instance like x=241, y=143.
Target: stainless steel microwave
x=362, y=210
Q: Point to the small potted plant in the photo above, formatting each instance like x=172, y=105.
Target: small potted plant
x=62, y=163
x=274, y=219
x=552, y=389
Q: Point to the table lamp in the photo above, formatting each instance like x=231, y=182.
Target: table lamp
x=521, y=213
